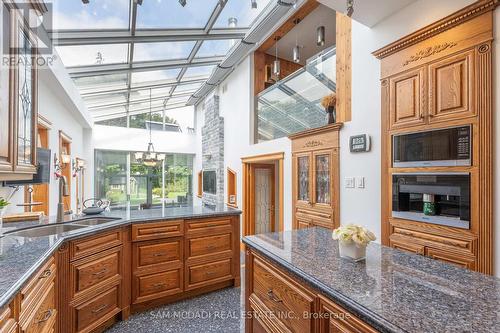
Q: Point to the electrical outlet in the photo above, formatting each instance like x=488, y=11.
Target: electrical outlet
x=361, y=182
x=349, y=182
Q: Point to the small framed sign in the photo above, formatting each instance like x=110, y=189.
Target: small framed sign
x=359, y=143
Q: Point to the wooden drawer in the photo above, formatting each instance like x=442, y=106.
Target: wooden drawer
x=96, y=311
x=157, y=230
x=281, y=295
x=85, y=247
x=207, y=227
x=208, y=273
x=30, y=294
x=43, y=317
x=461, y=259
x=95, y=271
x=157, y=254
x=206, y=247
x=157, y=285
x=263, y=320
x=335, y=319
x=7, y=321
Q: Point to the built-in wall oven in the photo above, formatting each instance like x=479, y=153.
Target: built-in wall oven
x=438, y=147
x=437, y=198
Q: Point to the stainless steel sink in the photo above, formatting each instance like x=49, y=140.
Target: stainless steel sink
x=45, y=230
x=93, y=221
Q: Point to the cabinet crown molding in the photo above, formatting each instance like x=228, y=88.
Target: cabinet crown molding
x=465, y=14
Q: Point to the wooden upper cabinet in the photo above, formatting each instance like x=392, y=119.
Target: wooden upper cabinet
x=18, y=100
x=406, y=99
x=315, y=177
x=451, y=88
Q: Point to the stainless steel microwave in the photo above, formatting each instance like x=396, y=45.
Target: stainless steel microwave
x=439, y=147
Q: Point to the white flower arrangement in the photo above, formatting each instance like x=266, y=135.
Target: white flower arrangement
x=353, y=234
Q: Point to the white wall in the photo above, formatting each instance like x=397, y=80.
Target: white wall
x=55, y=109
x=360, y=206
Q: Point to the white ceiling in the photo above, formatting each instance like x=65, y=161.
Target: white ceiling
x=305, y=34
x=369, y=12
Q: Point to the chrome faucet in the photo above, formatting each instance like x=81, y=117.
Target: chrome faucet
x=63, y=191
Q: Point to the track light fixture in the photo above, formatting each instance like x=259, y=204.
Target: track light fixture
x=183, y=2
x=276, y=63
x=85, y=2
x=254, y=4
x=350, y=8
x=139, y=2
x=320, y=36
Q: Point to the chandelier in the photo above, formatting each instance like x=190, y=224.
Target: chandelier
x=150, y=158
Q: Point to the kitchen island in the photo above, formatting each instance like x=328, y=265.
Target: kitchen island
x=88, y=272
x=296, y=281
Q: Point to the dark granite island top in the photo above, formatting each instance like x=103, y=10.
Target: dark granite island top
x=392, y=290
x=20, y=257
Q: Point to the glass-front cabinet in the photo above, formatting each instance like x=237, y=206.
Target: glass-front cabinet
x=18, y=98
x=316, y=177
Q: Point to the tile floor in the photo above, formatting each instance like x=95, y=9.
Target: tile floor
x=219, y=311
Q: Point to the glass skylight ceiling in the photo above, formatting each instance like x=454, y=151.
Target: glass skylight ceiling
x=116, y=50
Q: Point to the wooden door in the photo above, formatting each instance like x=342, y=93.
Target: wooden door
x=263, y=187
x=65, y=149
x=451, y=87
x=406, y=99
x=40, y=191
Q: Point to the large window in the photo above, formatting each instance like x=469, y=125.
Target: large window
x=170, y=182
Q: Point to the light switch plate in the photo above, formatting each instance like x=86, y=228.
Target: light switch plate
x=349, y=182
x=360, y=181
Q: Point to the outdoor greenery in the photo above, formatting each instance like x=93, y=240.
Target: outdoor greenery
x=3, y=203
x=112, y=179
x=137, y=121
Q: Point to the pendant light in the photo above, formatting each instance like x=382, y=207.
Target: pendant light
x=149, y=158
x=296, y=49
x=350, y=8
x=276, y=63
x=320, y=36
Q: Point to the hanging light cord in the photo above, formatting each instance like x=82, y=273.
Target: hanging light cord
x=150, y=117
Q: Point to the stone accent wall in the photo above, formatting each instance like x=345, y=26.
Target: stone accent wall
x=212, y=135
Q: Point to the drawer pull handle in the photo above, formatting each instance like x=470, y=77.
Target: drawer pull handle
x=46, y=273
x=273, y=297
x=100, y=274
x=210, y=247
x=100, y=309
x=159, y=254
x=46, y=316
x=210, y=273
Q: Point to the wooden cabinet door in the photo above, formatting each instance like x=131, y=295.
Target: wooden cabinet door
x=406, y=99
x=322, y=180
x=303, y=179
x=451, y=88
x=457, y=259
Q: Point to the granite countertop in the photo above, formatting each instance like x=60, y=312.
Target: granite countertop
x=20, y=257
x=392, y=290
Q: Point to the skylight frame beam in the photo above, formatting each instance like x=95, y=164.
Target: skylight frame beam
x=172, y=83
x=84, y=37
x=107, y=116
x=139, y=101
x=144, y=66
